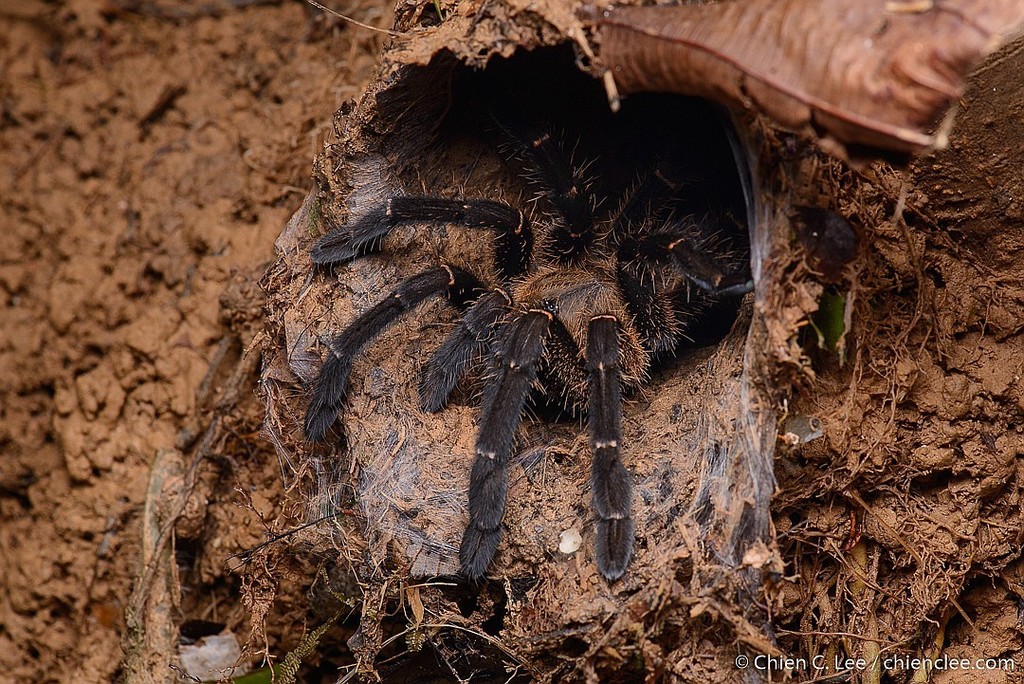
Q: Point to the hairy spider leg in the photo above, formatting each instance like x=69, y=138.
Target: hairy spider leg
x=655, y=319
x=679, y=249
x=513, y=244
x=610, y=482
x=565, y=186
x=459, y=286
x=464, y=345
x=646, y=199
x=705, y=273
x=521, y=348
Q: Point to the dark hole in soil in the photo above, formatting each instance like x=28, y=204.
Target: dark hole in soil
x=472, y=153
x=467, y=604
x=574, y=647
x=936, y=275
x=187, y=554
x=192, y=631
x=681, y=137
x=496, y=622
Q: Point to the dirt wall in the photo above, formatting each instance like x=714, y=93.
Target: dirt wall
x=151, y=153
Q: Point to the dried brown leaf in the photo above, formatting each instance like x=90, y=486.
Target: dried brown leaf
x=872, y=73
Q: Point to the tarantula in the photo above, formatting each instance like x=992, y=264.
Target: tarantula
x=582, y=319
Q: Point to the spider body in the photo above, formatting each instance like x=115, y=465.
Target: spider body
x=576, y=295
x=579, y=320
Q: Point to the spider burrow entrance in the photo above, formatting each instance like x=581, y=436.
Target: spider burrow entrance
x=630, y=242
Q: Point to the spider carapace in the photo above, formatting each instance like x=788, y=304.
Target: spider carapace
x=587, y=289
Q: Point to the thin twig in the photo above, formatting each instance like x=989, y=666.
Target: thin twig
x=352, y=21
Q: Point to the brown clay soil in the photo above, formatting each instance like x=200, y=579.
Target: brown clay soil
x=152, y=153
